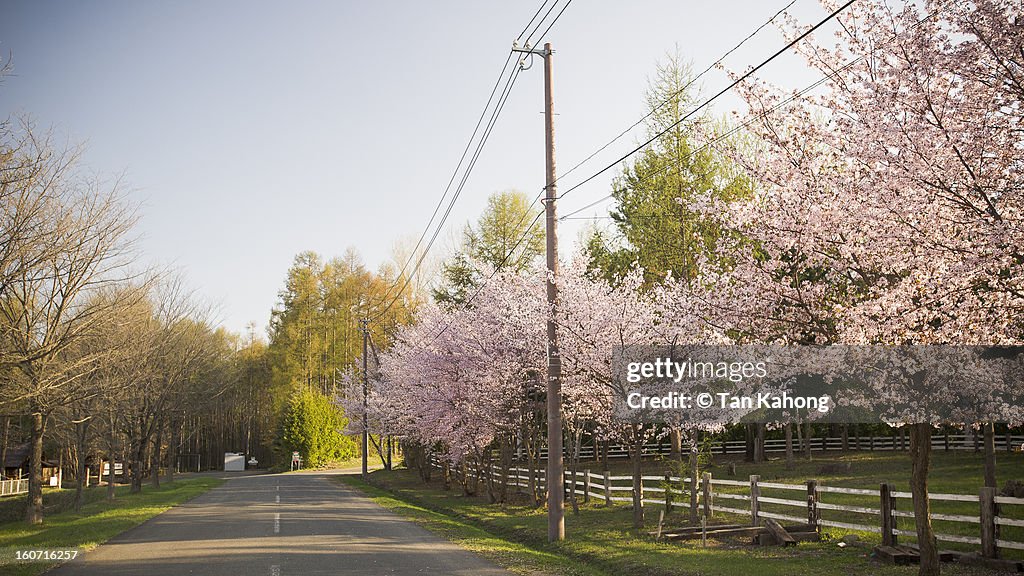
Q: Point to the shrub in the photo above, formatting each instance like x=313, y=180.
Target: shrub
x=313, y=427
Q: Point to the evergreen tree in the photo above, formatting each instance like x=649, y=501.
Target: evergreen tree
x=654, y=228
x=504, y=237
x=313, y=427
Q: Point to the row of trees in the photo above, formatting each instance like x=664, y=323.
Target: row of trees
x=885, y=208
x=102, y=359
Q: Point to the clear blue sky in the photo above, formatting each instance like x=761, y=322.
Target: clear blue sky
x=250, y=131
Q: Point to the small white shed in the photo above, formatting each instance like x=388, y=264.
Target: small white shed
x=234, y=462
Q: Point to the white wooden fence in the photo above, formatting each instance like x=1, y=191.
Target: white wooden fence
x=12, y=487
x=1003, y=443
x=747, y=498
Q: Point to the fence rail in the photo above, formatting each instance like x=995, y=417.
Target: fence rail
x=12, y=487
x=1003, y=443
x=994, y=511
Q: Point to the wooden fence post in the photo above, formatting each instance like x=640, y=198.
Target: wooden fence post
x=888, y=520
x=812, y=503
x=607, y=488
x=706, y=487
x=586, y=486
x=668, y=493
x=1009, y=440
x=989, y=530
x=755, y=493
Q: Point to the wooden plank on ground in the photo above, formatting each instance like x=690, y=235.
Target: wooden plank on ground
x=697, y=529
x=742, y=532
x=944, y=555
x=782, y=537
x=899, y=557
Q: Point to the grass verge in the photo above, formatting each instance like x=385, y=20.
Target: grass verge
x=515, y=556
x=600, y=540
x=94, y=524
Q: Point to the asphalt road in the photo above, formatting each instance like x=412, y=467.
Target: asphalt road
x=277, y=525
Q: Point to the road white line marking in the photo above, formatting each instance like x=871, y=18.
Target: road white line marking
x=277, y=523
x=277, y=499
x=275, y=570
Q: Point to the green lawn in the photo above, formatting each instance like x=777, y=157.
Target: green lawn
x=601, y=539
x=518, y=557
x=96, y=523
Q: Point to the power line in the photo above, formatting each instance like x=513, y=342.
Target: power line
x=713, y=98
x=541, y=21
x=712, y=142
x=458, y=192
x=557, y=16
x=462, y=158
x=591, y=205
x=502, y=99
x=677, y=92
x=451, y=180
x=765, y=113
x=530, y=23
x=498, y=268
x=528, y=230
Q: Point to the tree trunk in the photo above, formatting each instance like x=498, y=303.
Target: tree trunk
x=507, y=458
x=387, y=465
x=920, y=459
x=112, y=460
x=808, y=432
x=575, y=439
x=140, y=452
x=989, y=431
x=135, y=458
x=636, y=457
x=789, y=445
x=694, y=439
x=3, y=444
x=760, y=430
x=676, y=445
x=136, y=472
x=533, y=463
x=154, y=460
x=799, y=436
x=748, y=437
x=81, y=446
x=34, y=510
x=172, y=450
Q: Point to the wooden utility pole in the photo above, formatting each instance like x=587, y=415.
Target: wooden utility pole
x=556, y=475
x=556, y=465
x=365, y=324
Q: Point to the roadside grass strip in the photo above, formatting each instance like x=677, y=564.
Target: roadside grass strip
x=514, y=556
x=97, y=522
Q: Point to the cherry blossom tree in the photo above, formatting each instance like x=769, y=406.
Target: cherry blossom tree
x=889, y=208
